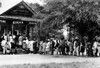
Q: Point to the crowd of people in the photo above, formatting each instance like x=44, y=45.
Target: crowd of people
x=12, y=44
x=75, y=47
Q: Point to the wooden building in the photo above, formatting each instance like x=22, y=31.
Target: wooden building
x=18, y=20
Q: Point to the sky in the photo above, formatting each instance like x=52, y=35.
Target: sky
x=6, y=4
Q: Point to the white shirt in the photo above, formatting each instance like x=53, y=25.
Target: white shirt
x=48, y=45
x=95, y=44
x=3, y=43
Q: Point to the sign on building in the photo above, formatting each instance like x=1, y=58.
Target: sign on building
x=17, y=22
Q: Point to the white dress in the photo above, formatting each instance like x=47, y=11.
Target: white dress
x=30, y=45
x=48, y=46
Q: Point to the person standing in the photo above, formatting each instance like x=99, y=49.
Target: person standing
x=52, y=46
x=20, y=39
x=98, y=48
x=5, y=46
x=63, y=46
x=48, y=44
x=76, y=47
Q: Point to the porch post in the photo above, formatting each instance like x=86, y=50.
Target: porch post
x=12, y=28
x=26, y=30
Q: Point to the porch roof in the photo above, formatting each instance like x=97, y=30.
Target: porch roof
x=29, y=19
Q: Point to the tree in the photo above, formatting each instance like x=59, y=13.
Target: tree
x=36, y=7
x=83, y=17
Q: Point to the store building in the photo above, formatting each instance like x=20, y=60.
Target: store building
x=18, y=20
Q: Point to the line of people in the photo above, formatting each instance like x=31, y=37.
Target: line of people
x=52, y=46
x=70, y=47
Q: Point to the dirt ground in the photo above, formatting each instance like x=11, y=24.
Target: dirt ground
x=53, y=65
x=48, y=61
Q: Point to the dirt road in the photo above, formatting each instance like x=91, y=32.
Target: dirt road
x=43, y=59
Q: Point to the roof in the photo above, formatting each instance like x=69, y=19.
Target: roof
x=4, y=16
x=19, y=18
x=4, y=9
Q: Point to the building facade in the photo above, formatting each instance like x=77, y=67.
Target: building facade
x=18, y=20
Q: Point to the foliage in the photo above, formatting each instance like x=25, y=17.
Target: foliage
x=81, y=14
x=36, y=7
